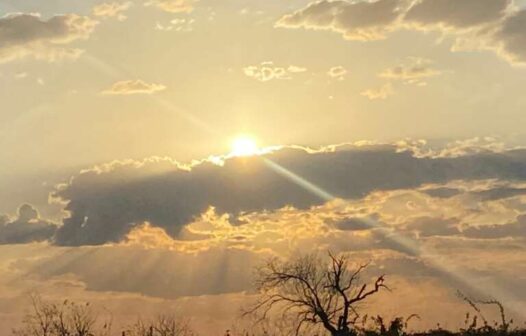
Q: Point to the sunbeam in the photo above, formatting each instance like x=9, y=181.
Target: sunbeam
x=416, y=249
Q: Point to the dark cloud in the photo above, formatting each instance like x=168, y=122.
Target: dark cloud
x=512, y=230
x=107, y=202
x=443, y=192
x=430, y=226
x=456, y=13
x=26, y=228
x=512, y=37
x=352, y=224
x=24, y=35
x=499, y=193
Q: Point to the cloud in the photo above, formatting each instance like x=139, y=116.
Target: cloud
x=495, y=25
x=26, y=228
x=352, y=224
x=267, y=71
x=381, y=93
x=178, y=25
x=474, y=225
x=112, y=10
x=207, y=273
x=27, y=35
x=337, y=72
x=455, y=14
x=129, y=87
x=105, y=203
x=516, y=229
x=173, y=6
x=511, y=38
x=354, y=20
x=443, y=192
x=434, y=226
x=296, y=69
x=21, y=75
x=414, y=71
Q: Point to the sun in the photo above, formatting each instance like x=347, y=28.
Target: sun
x=244, y=146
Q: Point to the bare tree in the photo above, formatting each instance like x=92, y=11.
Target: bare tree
x=314, y=291
x=66, y=319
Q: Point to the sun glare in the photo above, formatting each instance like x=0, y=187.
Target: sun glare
x=244, y=146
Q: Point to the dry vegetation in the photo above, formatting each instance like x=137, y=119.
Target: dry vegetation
x=314, y=297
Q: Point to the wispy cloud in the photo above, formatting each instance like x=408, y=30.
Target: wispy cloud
x=267, y=71
x=383, y=92
x=129, y=87
x=414, y=71
x=337, y=72
x=173, y=6
x=112, y=10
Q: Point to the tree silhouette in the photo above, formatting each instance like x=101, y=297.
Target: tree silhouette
x=315, y=291
x=65, y=319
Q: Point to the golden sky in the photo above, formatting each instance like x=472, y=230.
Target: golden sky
x=128, y=128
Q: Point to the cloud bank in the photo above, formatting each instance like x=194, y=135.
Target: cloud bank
x=105, y=203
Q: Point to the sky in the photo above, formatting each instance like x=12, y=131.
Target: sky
x=392, y=130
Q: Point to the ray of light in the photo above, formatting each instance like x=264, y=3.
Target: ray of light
x=414, y=248
x=311, y=187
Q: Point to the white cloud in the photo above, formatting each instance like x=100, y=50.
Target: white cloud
x=337, y=72
x=267, y=71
